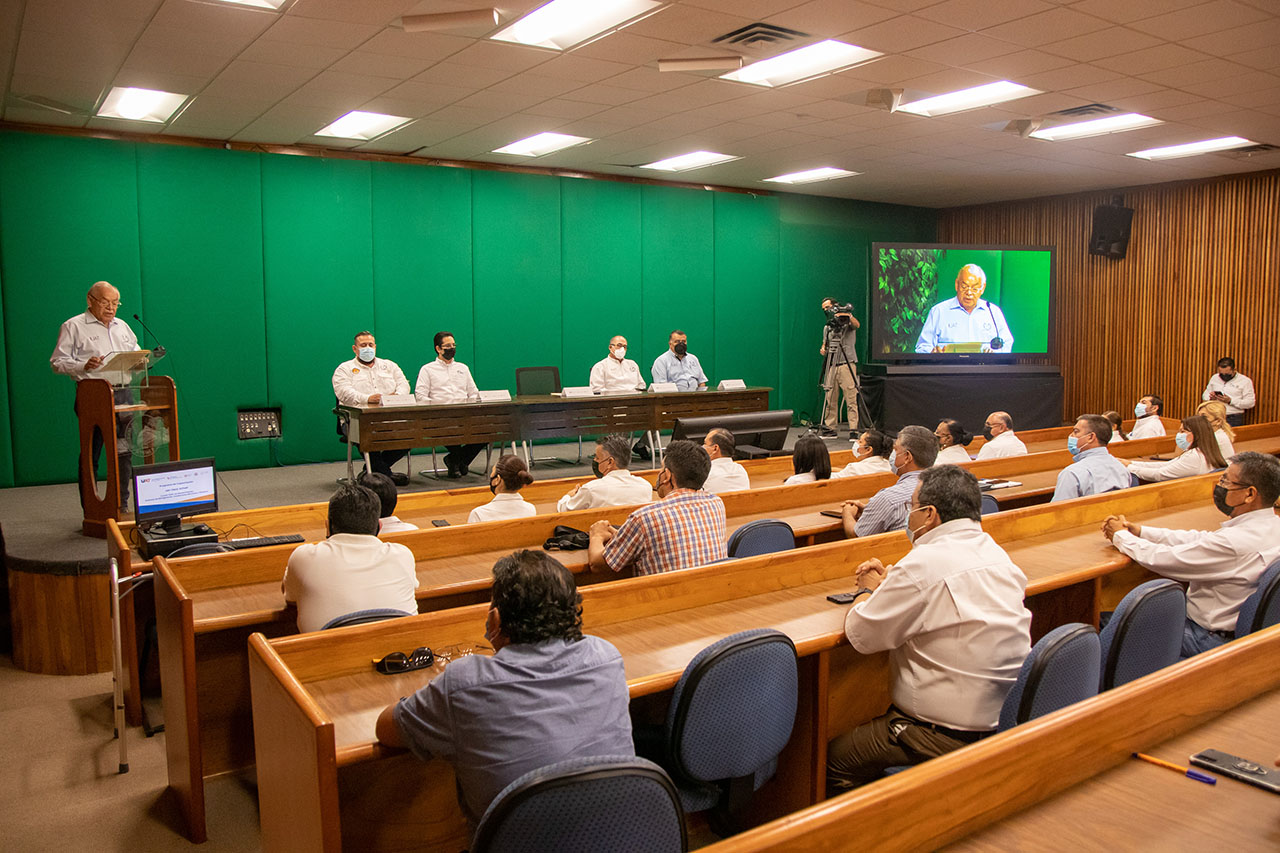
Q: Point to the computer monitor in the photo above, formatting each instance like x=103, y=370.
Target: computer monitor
x=167, y=492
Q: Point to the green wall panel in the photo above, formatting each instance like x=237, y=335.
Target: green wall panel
x=601, y=287
x=6, y=439
x=68, y=218
x=318, y=276
x=746, y=277
x=677, y=241
x=516, y=251
x=200, y=221
x=421, y=260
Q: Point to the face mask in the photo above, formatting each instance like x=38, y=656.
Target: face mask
x=1140, y=410
x=986, y=433
x=1181, y=440
x=448, y=353
x=1226, y=377
x=493, y=485
x=488, y=632
x=1073, y=445
x=595, y=468
x=681, y=349
x=1220, y=500
x=893, y=461
x=913, y=533
x=620, y=353
x=859, y=451
x=366, y=354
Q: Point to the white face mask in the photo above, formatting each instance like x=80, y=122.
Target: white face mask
x=912, y=533
x=366, y=354
x=893, y=460
x=620, y=353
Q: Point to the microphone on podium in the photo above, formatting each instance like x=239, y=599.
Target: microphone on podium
x=158, y=349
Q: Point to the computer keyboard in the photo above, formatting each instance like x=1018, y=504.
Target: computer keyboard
x=263, y=541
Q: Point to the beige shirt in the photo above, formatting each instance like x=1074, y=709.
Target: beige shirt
x=503, y=506
x=1004, y=444
x=609, y=374
x=617, y=488
x=440, y=383
x=726, y=476
x=354, y=382
x=349, y=572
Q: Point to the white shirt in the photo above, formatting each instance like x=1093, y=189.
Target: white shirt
x=349, y=572
x=803, y=477
x=1116, y=437
x=1224, y=444
x=952, y=618
x=354, y=382
x=441, y=382
x=1147, y=427
x=609, y=374
x=726, y=476
x=869, y=465
x=1239, y=389
x=1186, y=464
x=83, y=337
x=1222, y=566
x=391, y=524
x=617, y=488
x=953, y=455
x=505, y=505
x=1005, y=444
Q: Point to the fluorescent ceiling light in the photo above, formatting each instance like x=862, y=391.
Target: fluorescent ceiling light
x=826, y=173
x=361, y=125
x=692, y=160
x=561, y=24
x=258, y=4
x=1096, y=127
x=1204, y=146
x=805, y=63
x=542, y=143
x=140, y=104
x=968, y=99
x=442, y=21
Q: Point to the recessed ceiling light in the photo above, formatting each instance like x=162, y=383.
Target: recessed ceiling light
x=692, y=160
x=140, y=104
x=541, y=143
x=361, y=125
x=968, y=99
x=1204, y=146
x=826, y=173
x=258, y=4
x=561, y=24
x=805, y=63
x=1096, y=127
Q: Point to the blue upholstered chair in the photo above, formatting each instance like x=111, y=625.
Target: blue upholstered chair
x=1262, y=608
x=1062, y=669
x=1144, y=634
x=360, y=617
x=617, y=803
x=763, y=536
x=989, y=504
x=1134, y=481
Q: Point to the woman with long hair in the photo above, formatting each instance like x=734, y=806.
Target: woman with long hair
x=1199, y=454
x=810, y=460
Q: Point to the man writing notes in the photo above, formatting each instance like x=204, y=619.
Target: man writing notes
x=445, y=381
x=84, y=342
x=363, y=381
x=678, y=365
x=614, y=484
x=1232, y=389
x=615, y=373
x=966, y=322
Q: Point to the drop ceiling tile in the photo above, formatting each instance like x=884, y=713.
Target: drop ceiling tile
x=686, y=25
x=1264, y=58
x=757, y=10
x=1260, y=34
x=1123, y=87
x=1196, y=109
x=1196, y=72
x=1256, y=98
x=1131, y=10
x=1154, y=100
x=162, y=60
x=313, y=56
x=378, y=13
x=947, y=80
x=1046, y=27
x=1152, y=59
x=1103, y=43
x=334, y=90
x=653, y=80
x=535, y=85
x=285, y=124
x=1198, y=20
x=1071, y=77
x=630, y=49
x=499, y=56
x=84, y=21
x=257, y=81
x=629, y=116
x=905, y=5
x=503, y=102
x=964, y=50
x=581, y=69
x=829, y=17
x=57, y=56
x=451, y=73
x=163, y=81
x=563, y=109
x=77, y=94
x=1050, y=102
x=428, y=93
x=466, y=117
x=216, y=23
x=893, y=70
x=421, y=133
x=903, y=33
x=980, y=14
x=600, y=93
x=1019, y=64
x=292, y=29
x=381, y=65
x=434, y=46
x=1250, y=82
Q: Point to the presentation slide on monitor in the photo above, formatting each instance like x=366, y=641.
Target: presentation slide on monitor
x=933, y=301
x=174, y=491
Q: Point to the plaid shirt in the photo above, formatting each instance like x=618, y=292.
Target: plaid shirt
x=887, y=509
x=684, y=529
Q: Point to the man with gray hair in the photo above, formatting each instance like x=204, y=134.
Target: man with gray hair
x=614, y=484
x=914, y=450
x=1221, y=567
x=615, y=373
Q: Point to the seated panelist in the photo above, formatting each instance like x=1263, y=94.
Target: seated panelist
x=615, y=373
x=678, y=365
x=363, y=381
x=446, y=381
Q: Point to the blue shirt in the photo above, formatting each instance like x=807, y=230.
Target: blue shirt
x=949, y=323
x=685, y=372
x=531, y=704
x=1095, y=471
x=887, y=510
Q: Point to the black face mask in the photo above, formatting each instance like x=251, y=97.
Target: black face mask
x=1220, y=500
x=493, y=486
x=986, y=433
x=681, y=349
x=448, y=353
x=595, y=468
x=1226, y=377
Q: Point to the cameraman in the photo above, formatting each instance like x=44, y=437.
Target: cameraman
x=838, y=338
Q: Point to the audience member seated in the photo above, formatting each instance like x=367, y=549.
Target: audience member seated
x=548, y=693
x=870, y=455
x=1148, y=412
x=614, y=484
x=1002, y=441
x=382, y=486
x=1199, y=453
x=508, y=477
x=1221, y=567
x=913, y=451
x=1117, y=433
x=351, y=570
x=952, y=441
x=1216, y=414
x=726, y=475
x=1094, y=470
x=684, y=529
x=810, y=460
x=951, y=616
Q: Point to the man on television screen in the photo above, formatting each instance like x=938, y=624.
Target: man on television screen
x=966, y=322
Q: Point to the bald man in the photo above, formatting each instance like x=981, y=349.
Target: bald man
x=615, y=373
x=84, y=343
x=1001, y=439
x=966, y=318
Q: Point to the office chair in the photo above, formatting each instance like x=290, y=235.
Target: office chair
x=762, y=536
x=618, y=803
x=989, y=504
x=1134, y=481
x=1262, y=608
x=540, y=380
x=360, y=617
x=1062, y=669
x=1144, y=634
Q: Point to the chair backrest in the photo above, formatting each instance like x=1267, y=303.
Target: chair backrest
x=1134, y=481
x=762, y=536
x=360, y=617
x=1061, y=669
x=1262, y=608
x=198, y=549
x=537, y=380
x=617, y=803
x=989, y=504
x=1144, y=634
x=734, y=707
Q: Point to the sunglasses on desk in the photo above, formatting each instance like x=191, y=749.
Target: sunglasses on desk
x=423, y=657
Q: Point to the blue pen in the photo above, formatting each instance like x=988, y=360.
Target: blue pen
x=1190, y=774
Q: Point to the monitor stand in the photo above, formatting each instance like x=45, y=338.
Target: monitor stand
x=165, y=537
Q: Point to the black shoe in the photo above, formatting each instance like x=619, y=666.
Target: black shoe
x=826, y=432
x=400, y=479
x=454, y=474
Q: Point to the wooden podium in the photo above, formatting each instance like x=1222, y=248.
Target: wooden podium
x=102, y=406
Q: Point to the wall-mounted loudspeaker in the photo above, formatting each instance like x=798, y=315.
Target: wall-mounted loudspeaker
x=1111, y=225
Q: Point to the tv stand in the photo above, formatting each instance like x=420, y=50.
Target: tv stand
x=923, y=394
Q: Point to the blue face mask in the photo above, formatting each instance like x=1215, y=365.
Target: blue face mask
x=1073, y=445
x=1140, y=410
x=1181, y=440
x=366, y=354
x=893, y=461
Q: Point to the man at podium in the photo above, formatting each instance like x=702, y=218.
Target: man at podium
x=84, y=342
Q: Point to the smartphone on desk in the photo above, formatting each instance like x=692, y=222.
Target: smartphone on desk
x=1242, y=769
x=831, y=513
x=439, y=522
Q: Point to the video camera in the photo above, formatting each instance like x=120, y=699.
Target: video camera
x=834, y=322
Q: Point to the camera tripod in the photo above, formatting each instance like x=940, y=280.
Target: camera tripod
x=836, y=356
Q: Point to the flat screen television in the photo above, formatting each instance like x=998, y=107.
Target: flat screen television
x=167, y=492
x=946, y=302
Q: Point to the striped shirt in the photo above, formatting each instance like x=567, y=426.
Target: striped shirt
x=684, y=529
x=887, y=509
